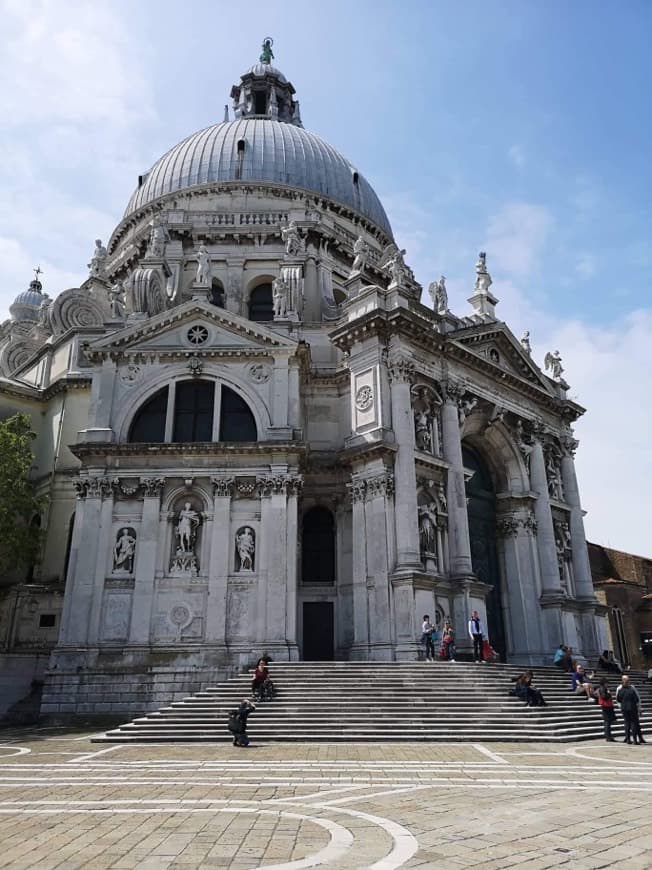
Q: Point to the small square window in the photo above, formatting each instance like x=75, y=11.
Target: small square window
x=47, y=620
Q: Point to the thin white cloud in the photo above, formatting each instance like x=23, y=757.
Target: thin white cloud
x=516, y=156
x=585, y=265
x=516, y=236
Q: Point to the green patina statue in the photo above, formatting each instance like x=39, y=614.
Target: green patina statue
x=267, y=55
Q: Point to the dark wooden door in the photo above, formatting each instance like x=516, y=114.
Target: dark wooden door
x=318, y=631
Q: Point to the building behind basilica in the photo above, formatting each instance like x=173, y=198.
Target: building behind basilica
x=253, y=435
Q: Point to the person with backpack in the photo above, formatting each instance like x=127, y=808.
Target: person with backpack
x=238, y=722
x=606, y=702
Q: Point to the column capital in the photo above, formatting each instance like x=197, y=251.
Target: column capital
x=382, y=484
x=452, y=390
x=95, y=487
x=401, y=369
x=279, y=484
x=223, y=487
x=152, y=486
x=568, y=445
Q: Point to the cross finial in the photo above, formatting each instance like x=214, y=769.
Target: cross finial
x=38, y=271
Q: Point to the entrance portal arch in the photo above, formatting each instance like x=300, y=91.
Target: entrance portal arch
x=481, y=509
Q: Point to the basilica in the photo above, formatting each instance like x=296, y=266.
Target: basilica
x=257, y=434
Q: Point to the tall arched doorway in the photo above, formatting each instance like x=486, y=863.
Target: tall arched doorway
x=481, y=507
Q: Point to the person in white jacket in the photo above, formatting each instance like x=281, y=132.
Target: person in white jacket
x=476, y=633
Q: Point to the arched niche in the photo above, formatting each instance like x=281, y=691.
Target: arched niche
x=260, y=300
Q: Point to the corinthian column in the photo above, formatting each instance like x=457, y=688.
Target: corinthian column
x=546, y=546
x=221, y=547
x=581, y=565
x=458, y=520
x=76, y=617
x=145, y=566
x=401, y=372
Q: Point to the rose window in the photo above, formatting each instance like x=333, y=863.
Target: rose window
x=197, y=335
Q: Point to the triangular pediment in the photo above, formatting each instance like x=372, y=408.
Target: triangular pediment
x=196, y=327
x=497, y=346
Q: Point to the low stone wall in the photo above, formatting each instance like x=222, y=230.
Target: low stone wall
x=17, y=672
x=113, y=693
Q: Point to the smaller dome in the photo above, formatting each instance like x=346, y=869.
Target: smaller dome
x=26, y=305
x=259, y=70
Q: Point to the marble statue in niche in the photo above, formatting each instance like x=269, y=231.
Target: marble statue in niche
x=245, y=548
x=428, y=529
x=184, y=560
x=204, y=268
x=280, y=297
x=124, y=551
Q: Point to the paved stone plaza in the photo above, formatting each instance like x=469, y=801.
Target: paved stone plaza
x=67, y=804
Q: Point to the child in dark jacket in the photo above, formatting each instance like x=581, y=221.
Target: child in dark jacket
x=238, y=722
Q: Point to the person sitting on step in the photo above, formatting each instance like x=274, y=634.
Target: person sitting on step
x=581, y=683
x=524, y=690
x=261, y=685
x=608, y=663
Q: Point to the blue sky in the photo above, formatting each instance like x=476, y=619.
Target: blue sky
x=521, y=128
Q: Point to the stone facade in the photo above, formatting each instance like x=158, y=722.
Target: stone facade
x=277, y=446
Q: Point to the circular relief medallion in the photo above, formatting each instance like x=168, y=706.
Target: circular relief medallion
x=180, y=615
x=364, y=398
x=259, y=373
x=197, y=335
x=129, y=374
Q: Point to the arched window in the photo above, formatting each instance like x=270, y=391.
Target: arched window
x=193, y=411
x=149, y=423
x=318, y=547
x=189, y=411
x=261, y=305
x=236, y=420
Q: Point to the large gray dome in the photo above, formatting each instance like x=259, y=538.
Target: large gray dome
x=275, y=152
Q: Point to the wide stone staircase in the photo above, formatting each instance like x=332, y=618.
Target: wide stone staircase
x=383, y=701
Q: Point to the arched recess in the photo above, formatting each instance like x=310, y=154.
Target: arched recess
x=318, y=547
x=194, y=410
x=481, y=509
x=217, y=293
x=260, y=303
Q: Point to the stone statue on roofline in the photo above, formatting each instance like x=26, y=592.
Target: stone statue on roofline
x=294, y=244
x=97, y=265
x=361, y=253
x=439, y=295
x=525, y=342
x=483, y=278
x=552, y=362
x=267, y=55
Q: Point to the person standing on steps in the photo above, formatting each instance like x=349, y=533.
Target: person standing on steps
x=426, y=638
x=630, y=701
x=447, y=651
x=606, y=702
x=476, y=633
